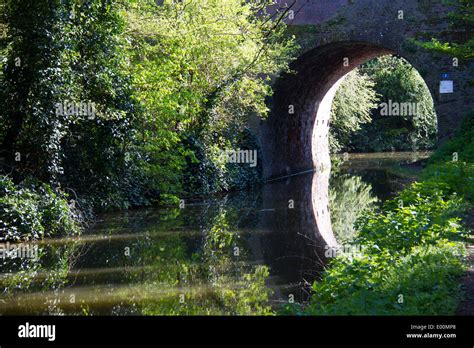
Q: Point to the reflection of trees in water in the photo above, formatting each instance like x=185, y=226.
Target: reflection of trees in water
x=214, y=279
x=45, y=274
x=184, y=271
x=187, y=262
x=349, y=197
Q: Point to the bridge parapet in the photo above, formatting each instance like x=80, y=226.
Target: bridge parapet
x=308, y=12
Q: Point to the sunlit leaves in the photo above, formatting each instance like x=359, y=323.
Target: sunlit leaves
x=352, y=106
x=199, y=72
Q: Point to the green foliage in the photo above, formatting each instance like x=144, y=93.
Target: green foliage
x=199, y=80
x=461, y=45
x=414, y=251
x=104, y=145
x=172, y=86
x=458, y=176
x=397, y=81
x=422, y=221
x=462, y=144
x=33, y=211
x=210, y=174
x=35, y=35
x=453, y=163
x=371, y=284
x=68, y=51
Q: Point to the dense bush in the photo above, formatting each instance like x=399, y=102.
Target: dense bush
x=33, y=211
x=209, y=174
x=461, y=144
x=422, y=282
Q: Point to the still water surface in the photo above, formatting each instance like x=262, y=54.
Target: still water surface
x=244, y=253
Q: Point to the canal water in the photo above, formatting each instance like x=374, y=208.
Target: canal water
x=246, y=253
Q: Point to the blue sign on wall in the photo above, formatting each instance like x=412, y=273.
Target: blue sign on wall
x=445, y=76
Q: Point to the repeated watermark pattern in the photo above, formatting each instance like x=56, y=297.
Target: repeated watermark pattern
x=21, y=251
x=393, y=108
x=239, y=156
x=80, y=109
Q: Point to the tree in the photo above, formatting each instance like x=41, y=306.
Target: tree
x=103, y=144
x=33, y=81
x=359, y=124
x=202, y=67
x=61, y=56
x=169, y=85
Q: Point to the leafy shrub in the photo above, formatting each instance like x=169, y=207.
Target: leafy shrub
x=414, y=251
x=455, y=176
x=209, y=174
x=372, y=283
x=33, y=211
x=420, y=215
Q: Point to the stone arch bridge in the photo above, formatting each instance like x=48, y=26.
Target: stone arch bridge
x=335, y=37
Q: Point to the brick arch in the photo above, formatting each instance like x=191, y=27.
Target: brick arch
x=329, y=31
x=294, y=137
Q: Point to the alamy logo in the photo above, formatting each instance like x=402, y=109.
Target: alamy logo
x=18, y=251
x=76, y=109
x=399, y=109
x=348, y=250
x=239, y=156
x=37, y=331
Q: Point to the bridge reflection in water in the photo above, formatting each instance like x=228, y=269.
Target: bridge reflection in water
x=298, y=215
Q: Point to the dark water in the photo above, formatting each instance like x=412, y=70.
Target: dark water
x=245, y=253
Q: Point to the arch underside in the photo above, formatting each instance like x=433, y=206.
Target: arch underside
x=296, y=142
